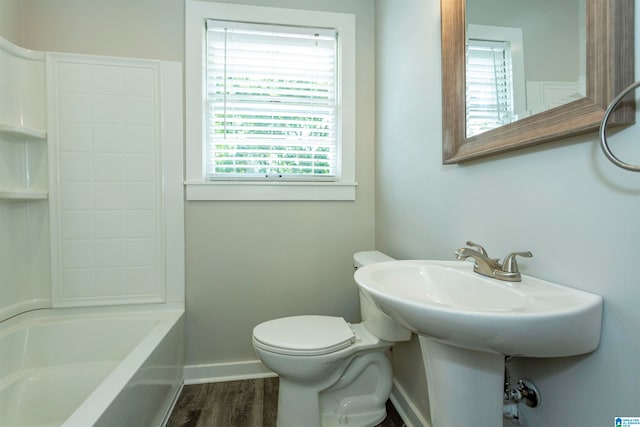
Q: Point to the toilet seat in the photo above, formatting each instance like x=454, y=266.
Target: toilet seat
x=304, y=335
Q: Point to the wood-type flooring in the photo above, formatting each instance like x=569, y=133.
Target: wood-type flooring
x=248, y=403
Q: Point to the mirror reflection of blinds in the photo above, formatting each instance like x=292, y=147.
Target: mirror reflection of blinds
x=271, y=102
x=489, y=86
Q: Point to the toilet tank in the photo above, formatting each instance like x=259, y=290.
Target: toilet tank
x=373, y=318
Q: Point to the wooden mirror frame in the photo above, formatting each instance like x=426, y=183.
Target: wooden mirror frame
x=610, y=69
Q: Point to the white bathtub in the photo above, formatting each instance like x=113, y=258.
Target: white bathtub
x=87, y=367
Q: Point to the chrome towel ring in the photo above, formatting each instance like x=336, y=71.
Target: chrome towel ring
x=603, y=128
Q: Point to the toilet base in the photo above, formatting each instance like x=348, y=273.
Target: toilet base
x=296, y=403
x=355, y=399
x=358, y=420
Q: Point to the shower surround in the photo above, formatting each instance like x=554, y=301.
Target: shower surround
x=91, y=215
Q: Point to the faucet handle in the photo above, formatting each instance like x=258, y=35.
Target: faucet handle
x=478, y=247
x=510, y=265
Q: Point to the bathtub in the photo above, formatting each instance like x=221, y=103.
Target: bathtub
x=85, y=367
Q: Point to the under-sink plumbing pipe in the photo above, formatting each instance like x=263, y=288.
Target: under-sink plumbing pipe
x=524, y=390
x=507, y=380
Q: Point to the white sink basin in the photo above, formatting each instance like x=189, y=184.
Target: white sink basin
x=468, y=323
x=447, y=301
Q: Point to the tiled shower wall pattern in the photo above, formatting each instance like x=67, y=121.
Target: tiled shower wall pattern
x=106, y=180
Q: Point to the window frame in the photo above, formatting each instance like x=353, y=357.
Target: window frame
x=197, y=186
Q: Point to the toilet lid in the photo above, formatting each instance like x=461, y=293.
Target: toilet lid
x=304, y=335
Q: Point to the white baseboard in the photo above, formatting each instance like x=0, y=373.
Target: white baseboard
x=406, y=408
x=233, y=371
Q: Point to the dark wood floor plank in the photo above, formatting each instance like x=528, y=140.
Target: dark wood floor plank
x=250, y=403
x=393, y=418
x=270, y=402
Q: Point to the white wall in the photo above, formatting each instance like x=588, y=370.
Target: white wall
x=246, y=261
x=11, y=21
x=574, y=210
x=150, y=29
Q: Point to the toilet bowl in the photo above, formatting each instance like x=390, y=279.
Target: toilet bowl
x=332, y=373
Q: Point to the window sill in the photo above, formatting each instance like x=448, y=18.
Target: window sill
x=239, y=190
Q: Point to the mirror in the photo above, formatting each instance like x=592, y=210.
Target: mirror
x=515, y=70
x=599, y=46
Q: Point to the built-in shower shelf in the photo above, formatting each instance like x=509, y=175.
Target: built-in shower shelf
x=22, y=132
x=19, y=195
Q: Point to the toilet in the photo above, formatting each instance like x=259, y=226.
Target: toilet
x=332, y=373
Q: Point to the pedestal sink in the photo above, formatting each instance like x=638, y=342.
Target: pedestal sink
x=468, y=323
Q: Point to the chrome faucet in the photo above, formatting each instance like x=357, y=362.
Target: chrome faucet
x=491, y=267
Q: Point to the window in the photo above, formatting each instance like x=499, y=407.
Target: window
x=489, y=102
x=270, y=103
x=495, y=93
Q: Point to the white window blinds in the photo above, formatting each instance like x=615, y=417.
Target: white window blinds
x=489, y=101
x=271, y=100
